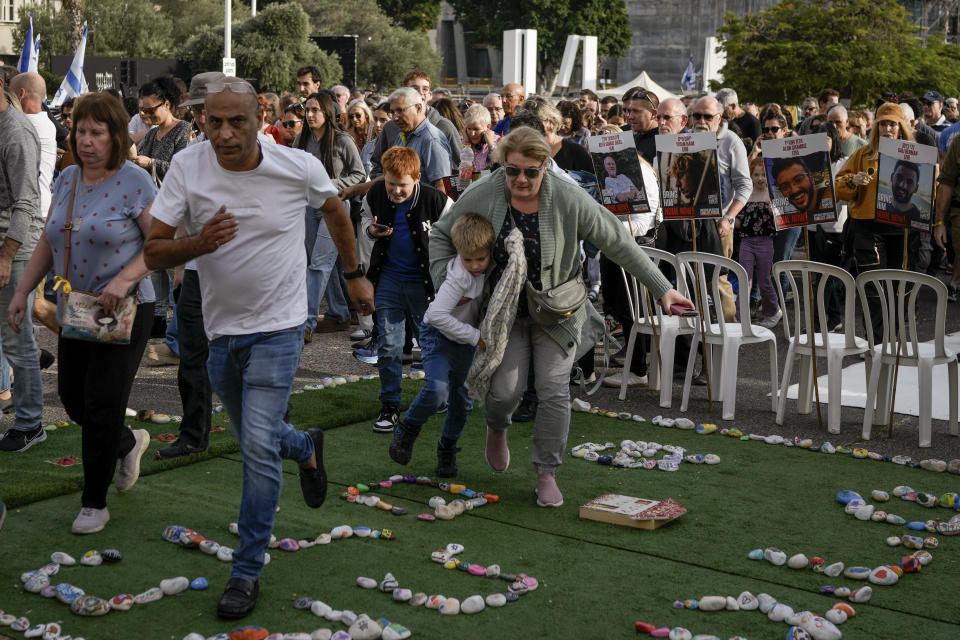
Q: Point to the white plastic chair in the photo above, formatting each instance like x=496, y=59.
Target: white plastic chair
x=723, y=339
x=898, y=292
x=832, y=346
x=648, y=318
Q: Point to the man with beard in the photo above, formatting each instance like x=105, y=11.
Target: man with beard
x=904, y=182
x=795, y=183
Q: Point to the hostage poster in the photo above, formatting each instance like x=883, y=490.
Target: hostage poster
x=689, y=177
x=905, y=190
x=617, y=168
x=800, y=180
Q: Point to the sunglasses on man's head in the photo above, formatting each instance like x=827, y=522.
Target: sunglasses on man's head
x=530, y=173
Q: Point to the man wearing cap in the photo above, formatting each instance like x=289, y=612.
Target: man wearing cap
x=193, y=347
x=933, y=110
x=242, y=205
x=640, y=112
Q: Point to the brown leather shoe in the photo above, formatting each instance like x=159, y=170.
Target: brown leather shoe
x=330, y=325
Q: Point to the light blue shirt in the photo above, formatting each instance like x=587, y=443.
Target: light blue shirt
x=432, y=147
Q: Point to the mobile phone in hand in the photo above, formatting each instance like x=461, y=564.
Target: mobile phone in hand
x=379, y=228
x=683, y=310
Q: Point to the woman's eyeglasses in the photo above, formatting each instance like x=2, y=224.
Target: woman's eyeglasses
x=530, y=173
x=291, y=124
x=355, y=116
x=150, y=110
x=770, y=129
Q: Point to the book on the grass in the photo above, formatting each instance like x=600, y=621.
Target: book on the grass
x=619, y=177
x=905, y=176
x=640, y=513
x=800, y=180
x=689, y=177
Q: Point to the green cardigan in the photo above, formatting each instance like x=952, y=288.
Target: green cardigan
x=567, y=215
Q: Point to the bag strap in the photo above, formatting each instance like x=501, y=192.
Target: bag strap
x=67, y=228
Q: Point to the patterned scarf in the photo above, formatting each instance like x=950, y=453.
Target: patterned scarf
x=496, y=324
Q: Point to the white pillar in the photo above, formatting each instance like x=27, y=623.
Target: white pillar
x=512, y=52
x=253, y=8
x=227, y=18
x=589, y=63
x=530, y=61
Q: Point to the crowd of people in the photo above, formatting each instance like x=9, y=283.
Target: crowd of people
x=197, y=200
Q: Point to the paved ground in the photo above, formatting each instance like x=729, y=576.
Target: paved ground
x=330, y=354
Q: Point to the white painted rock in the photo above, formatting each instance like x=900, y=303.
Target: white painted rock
x=879, y=496
x=321, y=634
x=883, y=576
x=363, y=628
x=450, y=607
x=367, y=583
x=496, y=600
x=473, y=604
x=766, y=602
x=395, y=631
x=679, y=633
x=822, y=629
x=836, y=616
x=712, y=603
x=833, y=570
x=861, y=595
x=225, y=554
x=348, y=617
x=343, y=531
x=493, y=571
x=774, y=556
x=319, y=608
x=63, y=558
x=864, y=512
x=732, y=604
x=747, y=601
x=91, y=559
x=173, y=586
x=209, y=547
x=194, y=636
x=580, y=405
x=780, y=612
x=798, y=561
x=684, y=423
x=402, y=595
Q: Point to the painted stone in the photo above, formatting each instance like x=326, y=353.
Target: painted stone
x=774, y=556
x=67, y=593
x=225, y=554
x=288, y=544
x=861, y=595
x=878, y=516
x=756, y=554
x=937, y=466
x=780, y=612
x=864, y=512
x=20, y=624
x=797, y=633
x=394, y=630
x=747, y=601
x=713, y=603
x=821, y=629
x=473, y=604
x=450, y=607
x=348, y=617
x=418, y=599
x=923, y=557
x=111, y=555
x=435, y=601
x=63, y=558
x=342, y=531
x=367, y=583
x=389, y=583
x=173, y=586
x=303, y=603
x=90, y=606
x=842, y=592
x=902, y=490
x=679, y=633
x=402, y=595
x=36, y=582
x=324, y=538
x=833, y=570
x=495, y=600
x=894, y=541
x=766, y=601
x=320, y=609
x=883, y=576
x=150, y=595
x=798, y=561
x=894, y=519
x=199, y=584
x=731, y=604
x=121, y=602
x=879, y=496
x=857, y=573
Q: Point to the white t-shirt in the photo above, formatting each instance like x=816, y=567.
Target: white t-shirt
x=257, y=281
x=137, y=125
x=47, y=132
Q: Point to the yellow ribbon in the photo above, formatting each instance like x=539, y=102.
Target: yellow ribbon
x=59, y=281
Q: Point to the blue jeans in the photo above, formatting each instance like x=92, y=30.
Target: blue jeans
x=395, y=302
x=170, y=339
x=20, y=350
x=783, y=245
x=446, y=364
x=253, y=375
x=321, y=259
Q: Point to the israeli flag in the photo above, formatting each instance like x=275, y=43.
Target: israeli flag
x=28, y=55
x=74, y=84
x=689, y=80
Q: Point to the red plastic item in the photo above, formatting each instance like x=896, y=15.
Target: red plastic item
x=644, y=627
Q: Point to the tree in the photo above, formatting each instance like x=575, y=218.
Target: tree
x=858, y=47
x=385, y=52
x=416, y=15
x=269, y=48
x=554, y=20
x=189, y=16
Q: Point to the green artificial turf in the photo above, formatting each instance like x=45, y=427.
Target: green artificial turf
x=29, y=477
x=596, y=578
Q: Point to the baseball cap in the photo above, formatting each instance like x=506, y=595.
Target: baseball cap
x=198, y=87
x=932, y=96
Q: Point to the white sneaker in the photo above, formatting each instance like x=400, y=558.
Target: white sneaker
x=90, y=520
x=359, y=334
x=129, y=469
x=633, y=380
x=771, y=321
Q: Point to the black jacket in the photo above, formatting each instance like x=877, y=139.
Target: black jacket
x=426, y=205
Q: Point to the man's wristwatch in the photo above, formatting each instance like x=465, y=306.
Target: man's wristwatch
x=730, y=219
x=356, y=273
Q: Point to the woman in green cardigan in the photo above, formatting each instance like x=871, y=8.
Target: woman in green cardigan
x=553, y=215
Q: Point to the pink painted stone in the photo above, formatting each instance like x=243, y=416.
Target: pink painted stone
x=386, y=484
x=662, y=632
x=477, y=570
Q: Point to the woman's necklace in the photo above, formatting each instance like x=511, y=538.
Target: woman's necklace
x=93, y=183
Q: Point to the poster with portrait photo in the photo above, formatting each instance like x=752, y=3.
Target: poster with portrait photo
x=800, y=180
x=617, y=167
x=905, y=190
x=689, y=175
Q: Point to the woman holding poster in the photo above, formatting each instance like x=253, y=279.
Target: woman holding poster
x=876, y=245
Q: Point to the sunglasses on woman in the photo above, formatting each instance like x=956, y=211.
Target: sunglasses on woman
x=530, y=173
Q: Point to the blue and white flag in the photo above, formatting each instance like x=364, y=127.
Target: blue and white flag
x=690, y=76
x=28, y=55
x=74, y=84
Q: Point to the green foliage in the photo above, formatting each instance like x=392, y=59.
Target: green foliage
x=385, y=52
x=189, y=16
x=269, y=48
x=554, y=20
x=858, y=47
x=53, y=27
x=416, y=15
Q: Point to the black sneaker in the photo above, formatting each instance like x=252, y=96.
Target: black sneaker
x=387, y=421
x=526, y=412
x=16, y=441
x=446, y=461
x=179, y=449
x=313, y=482
x=239, y=599
x=401, y=448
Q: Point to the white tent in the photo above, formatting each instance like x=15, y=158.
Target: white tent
x=643, y=80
